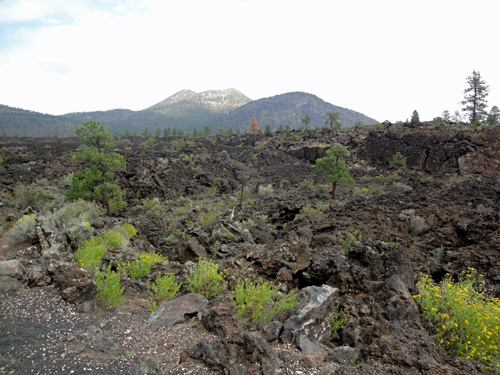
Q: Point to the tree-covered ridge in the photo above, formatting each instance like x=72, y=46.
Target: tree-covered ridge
x=34, y=124
x=186, y=111
x=289, y=109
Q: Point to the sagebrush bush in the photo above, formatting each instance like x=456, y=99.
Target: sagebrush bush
x=261, y=301
x=310, y=212
x=265, y=190
x=79, y=210
x=23, y=229
x=185, y=202
x=463, y=321
x=306, y=184
x=152, y=206
x=28, y=196
x=204, y=278
x=109, y=290
x=207, y=218
x=163, y=289
x=171, y=240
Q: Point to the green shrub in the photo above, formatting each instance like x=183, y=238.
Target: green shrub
x=337, y=319
x=427, y=178
x=1, y=160
x=204, y=278
x=177, y=144
x=152, y=206
x=259, y=144
x=24, y=229
x=126, y=143
x=265, y=190
x=28, y=196
x=184, y=202
x=378, y=127
x=393, y=128
x=254, y=157
x=171, y=240
x=211, y=191
x=89, y=256
x=462, y=320
x=141, y=265
x=90, y=253
x=109, y=291
x=163, y=289
x=398, y=161
x=309, y=212
x=351, y=237
x=207, y=218
x=78, y=211
x=306, y=184
x=261, y=301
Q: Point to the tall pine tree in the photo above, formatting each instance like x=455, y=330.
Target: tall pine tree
x=475, y=98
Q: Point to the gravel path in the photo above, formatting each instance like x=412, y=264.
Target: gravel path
x=41, y=334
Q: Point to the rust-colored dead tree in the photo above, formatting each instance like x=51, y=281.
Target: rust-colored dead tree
x=254, y=127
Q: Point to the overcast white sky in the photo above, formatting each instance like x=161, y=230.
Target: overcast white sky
x=382, y=58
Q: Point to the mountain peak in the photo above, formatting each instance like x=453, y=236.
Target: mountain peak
x=217, y=101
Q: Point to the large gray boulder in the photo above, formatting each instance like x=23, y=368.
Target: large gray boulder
x=174, y=312
x=315, y=305
x=12, y=275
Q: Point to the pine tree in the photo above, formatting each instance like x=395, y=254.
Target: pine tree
x=415, y=119
x=334, y=167
x=195, y=132
x=494, y=116
x=157, y=134
x=306, y=120
x=475, y=98
x=287, y=128
x=253, y=126
x=238, y=132
x=332, y=119
x=146, y=133
x=280, y=129
x=230, y=131
x=267, y=130
x=446, y=116
x=95, y=182
x=207, y=131
x=174, y=131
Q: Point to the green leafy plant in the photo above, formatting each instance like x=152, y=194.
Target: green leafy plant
x=204, y=278
x=163, y=289
x=261, y=301
x=310, y=212
x=463, y=321
x=109, y=290
x=211, y=191
x=337, y=319
x=141, y=265
x=398, y=161
x=254, y=157
x=259, y=145
x=351, y=237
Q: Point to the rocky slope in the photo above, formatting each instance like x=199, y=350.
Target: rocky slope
x=451, y=182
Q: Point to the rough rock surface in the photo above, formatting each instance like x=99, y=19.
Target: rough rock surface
x=12, y=275
x=175, y=311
